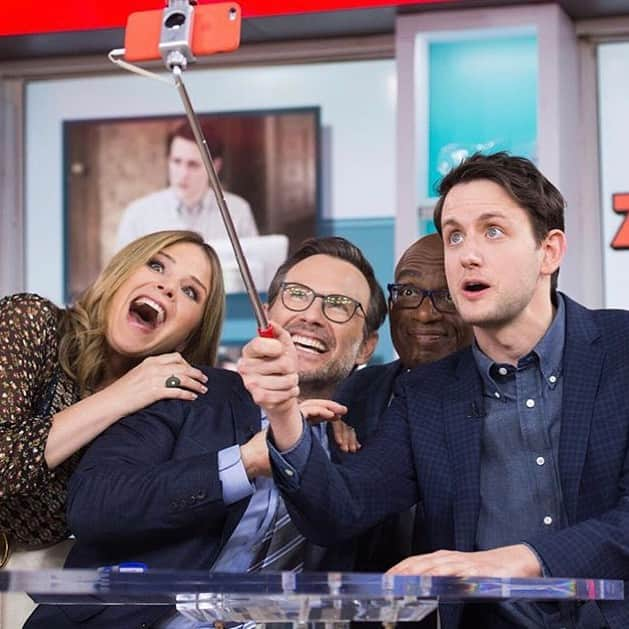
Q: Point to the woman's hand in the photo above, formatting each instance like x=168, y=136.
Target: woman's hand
x=316, y=411
x=147, y=383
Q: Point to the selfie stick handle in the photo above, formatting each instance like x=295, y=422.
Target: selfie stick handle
x=264, y=329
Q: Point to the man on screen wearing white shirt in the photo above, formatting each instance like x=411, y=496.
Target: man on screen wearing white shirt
x=189, y=202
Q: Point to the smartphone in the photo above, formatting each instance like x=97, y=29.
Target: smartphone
x=215, y=28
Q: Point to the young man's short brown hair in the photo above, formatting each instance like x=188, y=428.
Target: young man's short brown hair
x=522, y=181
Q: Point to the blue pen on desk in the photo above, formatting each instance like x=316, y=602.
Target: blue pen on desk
x=126, y=567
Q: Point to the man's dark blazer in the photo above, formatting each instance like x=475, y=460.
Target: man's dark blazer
x=148, y=490
x=367, y=393
x=428, y=448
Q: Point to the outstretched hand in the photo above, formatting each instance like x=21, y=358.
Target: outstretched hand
x=268, y=367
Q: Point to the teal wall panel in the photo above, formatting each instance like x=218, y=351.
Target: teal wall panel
x=482, y=96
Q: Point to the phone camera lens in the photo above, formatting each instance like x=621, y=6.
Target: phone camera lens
x=175, y=20
x=233, y=14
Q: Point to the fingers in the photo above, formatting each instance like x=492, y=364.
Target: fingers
x=345, y=437
x=175, y=393
x=443, y=563
x=192, y=383
x=352, y=443
x=315, y=412
x=264, y=366
x=418, y=564
x=261, y=347
x=267, y=389
x=268, y=367
x=328, y=408
x=268, y=399
x=271, y=348
x=160, y=368
x=196, y=374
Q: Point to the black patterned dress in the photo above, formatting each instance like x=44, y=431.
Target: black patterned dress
x=33, y=387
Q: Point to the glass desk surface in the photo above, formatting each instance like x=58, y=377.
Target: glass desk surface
x=286, y=597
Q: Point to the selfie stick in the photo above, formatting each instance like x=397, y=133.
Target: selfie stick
x=263, y=326
x=176, y=52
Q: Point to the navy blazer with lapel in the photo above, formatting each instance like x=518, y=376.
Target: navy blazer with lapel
x=367, y=394
x=428, y=448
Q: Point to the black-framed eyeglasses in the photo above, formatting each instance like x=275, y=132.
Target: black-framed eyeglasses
x=336, y=308
x=411, y=296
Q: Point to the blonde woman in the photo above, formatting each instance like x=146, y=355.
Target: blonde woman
x=68, y=374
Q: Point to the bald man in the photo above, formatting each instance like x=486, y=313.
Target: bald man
x=425, y=327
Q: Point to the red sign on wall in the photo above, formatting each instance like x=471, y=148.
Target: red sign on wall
x=620, y=205
x=41, y=16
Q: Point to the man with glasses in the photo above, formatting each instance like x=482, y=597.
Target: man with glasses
x=328, y=299
x=188, y=485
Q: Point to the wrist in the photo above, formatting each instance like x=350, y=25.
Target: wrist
x=114, y=406
x=248, y=462
x=287, y=429
x=528, y=562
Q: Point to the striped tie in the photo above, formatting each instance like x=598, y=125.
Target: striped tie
x=282, y=546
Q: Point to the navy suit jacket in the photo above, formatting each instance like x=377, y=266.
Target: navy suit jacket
x=366, y=393
x=429, y=445
x=148, y=490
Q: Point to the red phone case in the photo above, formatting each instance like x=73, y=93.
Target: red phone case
x=216, y=29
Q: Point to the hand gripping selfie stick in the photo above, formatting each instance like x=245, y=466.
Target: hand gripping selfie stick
x=181, y=33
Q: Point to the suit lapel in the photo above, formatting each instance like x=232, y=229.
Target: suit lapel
x=462, y=412
x=582, y=368
x=376, y=395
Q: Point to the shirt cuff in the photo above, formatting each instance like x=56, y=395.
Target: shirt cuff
x=289, y=463
x=233, y=477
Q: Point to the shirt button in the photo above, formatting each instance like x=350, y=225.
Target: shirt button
x=530, y=403
x=552, y=379
x=548, y=520
x=288, y=471
x=540, y=460
x=497, y=394
x=502, y=371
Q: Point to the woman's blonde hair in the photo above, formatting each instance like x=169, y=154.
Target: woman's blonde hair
x=83, y=348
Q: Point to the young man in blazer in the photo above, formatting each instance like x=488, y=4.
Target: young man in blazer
x=517, y=447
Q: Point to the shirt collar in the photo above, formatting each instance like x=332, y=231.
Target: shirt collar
x=184, y=210
x=548, y=351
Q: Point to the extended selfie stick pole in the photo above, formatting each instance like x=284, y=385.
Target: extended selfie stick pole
x=176, y=52
x=215, y=184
